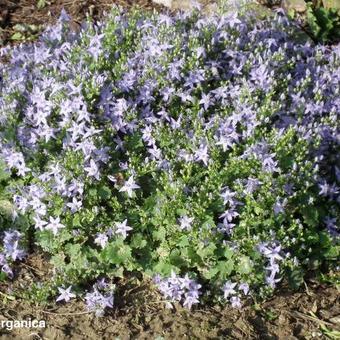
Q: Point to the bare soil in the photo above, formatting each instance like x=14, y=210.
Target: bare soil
x=26, y=12
x=140, y=313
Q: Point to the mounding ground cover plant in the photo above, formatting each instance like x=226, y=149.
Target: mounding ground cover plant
x=202, y=152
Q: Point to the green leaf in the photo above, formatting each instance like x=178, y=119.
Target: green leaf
x=176, y=259
x=17, y=36
x=76, y=221
x=291, y=13
x=194, y=258
x=3, y=276
x=116, y=253
x=225, y=268
x=93, y=193
x=41, y=4
x=33, y=28
x=181, y=212
x=311, y=216
x=165, y=268
x=20, y=28
x=332, y=253
x=228, y=253
x=58, y=260
x=258, y=210
x=119, y=272
x=45, y=240
x=4, y=175
x=6, y=209
x=159, y=234
x=137, y=241
x=73, y=251
x=64, y=235
x=104, y=192
x=207, y=251
x=211, y=273
x=312, y=22
x=244, y=266
x=295, y=278
x=183, y=242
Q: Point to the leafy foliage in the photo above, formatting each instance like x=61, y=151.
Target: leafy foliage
x=323, y=23
x=184, y=146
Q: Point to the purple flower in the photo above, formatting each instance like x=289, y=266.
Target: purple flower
x=11, y=245
x=227, y=138
x=226, y=227
x=54, y=225
x=279, y=206
x=75, y=205
x=272, y=253
x=244, y=287
x=97, y=302
x=95, y=47
x=328, y=190
x=229, y=215
x=205, y=101
x=269, y=164
x=235, y=302
x=129, y=186
x=176, y=124
x=260, y=77
x=21, y=203
x=337, y=173
x=185, y=282
x=122, y=228
x=185, y=222
x=228, y=196
x=324, y=188
x=64, y=17
x=288, y=188
x=101, y=239
x=93, y=170
x=190, y=300
x=65, y=294
x=177, y=288
x=251, y=185
x=232, y=19
x=2, y=259
x=271, y=281
x=16, y=160
x=228, y=289
x=331, y=226
x=7, y=270
x=202, y=154
x=273, y=267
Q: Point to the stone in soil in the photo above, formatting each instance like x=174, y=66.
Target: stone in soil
x=298, y=6
x=331, y=4
x=186, y=5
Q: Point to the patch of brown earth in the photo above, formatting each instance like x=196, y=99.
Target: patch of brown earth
x=140, y=313
x=26, y=12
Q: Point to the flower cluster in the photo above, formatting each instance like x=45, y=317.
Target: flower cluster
x=11, y=251
x=181, y=289
x=272, y=254
x=232, y=292
x=100, y=298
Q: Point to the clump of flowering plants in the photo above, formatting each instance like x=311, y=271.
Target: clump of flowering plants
x=203, y=151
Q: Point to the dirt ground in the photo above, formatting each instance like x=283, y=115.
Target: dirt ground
x=287, y=316
x=140, y=313
x=26, y=12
